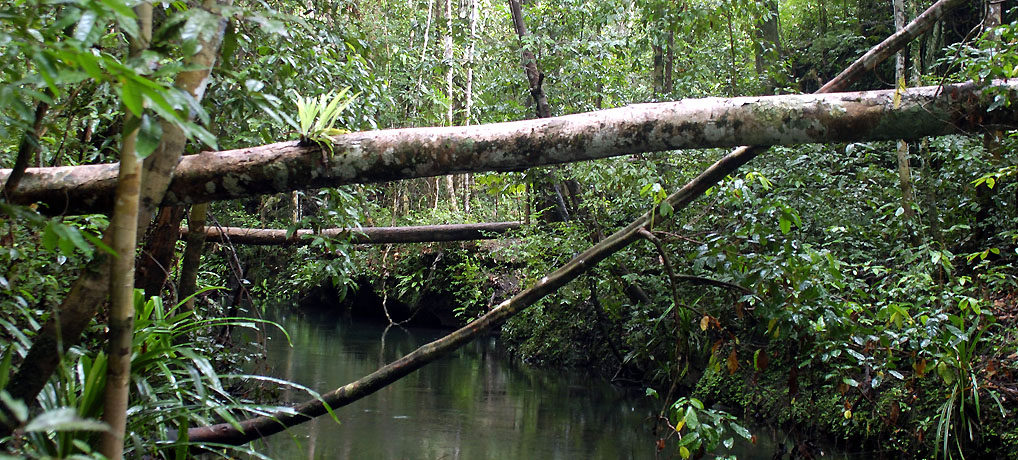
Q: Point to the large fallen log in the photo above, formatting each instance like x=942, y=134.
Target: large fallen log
x=378, y=156
x=364, y=235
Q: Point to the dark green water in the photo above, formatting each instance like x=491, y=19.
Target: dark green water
x=474, y=404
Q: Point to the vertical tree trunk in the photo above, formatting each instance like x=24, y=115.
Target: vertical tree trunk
x=124, y=225
x=540, y=187
x=191, y=260
x=904, y=170
x=930, y=187
x=424, y=46
x=534, y=76
x=472, y=13
x=157, y=256
x=994, y=14
x=668, y=82
x=822, y=10
x=447, y=56
x=985, y=225
x=657, y=73
x=731, y=48
x=768, y=44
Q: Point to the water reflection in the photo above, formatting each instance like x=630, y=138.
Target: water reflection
x=473, y=404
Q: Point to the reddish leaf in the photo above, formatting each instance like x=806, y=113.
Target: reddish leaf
x=920, y=367
x=733, y=362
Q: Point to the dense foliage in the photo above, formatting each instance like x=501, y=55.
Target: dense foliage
x=812, y=289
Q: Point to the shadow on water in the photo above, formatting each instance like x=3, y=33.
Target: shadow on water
x=474, y=404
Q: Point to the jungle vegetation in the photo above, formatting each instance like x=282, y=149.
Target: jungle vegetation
x=856, y=280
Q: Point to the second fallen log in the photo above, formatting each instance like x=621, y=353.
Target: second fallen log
x=363, y=235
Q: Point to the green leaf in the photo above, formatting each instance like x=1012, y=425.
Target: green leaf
x=17, y=407
x=785, y=224
x=945, y=373
x=149, y=135
x=691, y=419
x=740, y=430
x=666, y=209
x=49, y=237
x=85, y=24
x=5, y=366
x=131, y=95
x=63, y=419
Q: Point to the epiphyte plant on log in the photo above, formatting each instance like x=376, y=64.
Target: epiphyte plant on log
x=317, y=118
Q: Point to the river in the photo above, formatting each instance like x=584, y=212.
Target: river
x=474, y=404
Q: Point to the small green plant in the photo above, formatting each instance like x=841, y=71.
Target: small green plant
x=174, y=386
x=317, y=117
x=958, y=419
x=700, y=429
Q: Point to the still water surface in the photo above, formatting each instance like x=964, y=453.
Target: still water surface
x=473, y=404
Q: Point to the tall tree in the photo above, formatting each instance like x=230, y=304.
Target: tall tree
x=448, y=59
x=904, y=170
x=473, y=11
x=124, y=225
x=534, y=76
x=767, y=46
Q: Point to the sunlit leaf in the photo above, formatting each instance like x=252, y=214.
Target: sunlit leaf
x=63, y=419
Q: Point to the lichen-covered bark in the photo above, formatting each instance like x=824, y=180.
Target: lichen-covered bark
x=379, y=156
x=364, y=235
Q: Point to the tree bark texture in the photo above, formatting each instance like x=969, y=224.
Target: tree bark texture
x=121, y=315
x=364, y=235
x=534, y=76
x=91, y=289
x=258, y=427
x=191, y=260
x=156, y=257
x=387, y=155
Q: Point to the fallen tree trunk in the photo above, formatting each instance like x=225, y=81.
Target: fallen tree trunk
x=378, y=156
x=258, y=427
x=364, y=235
